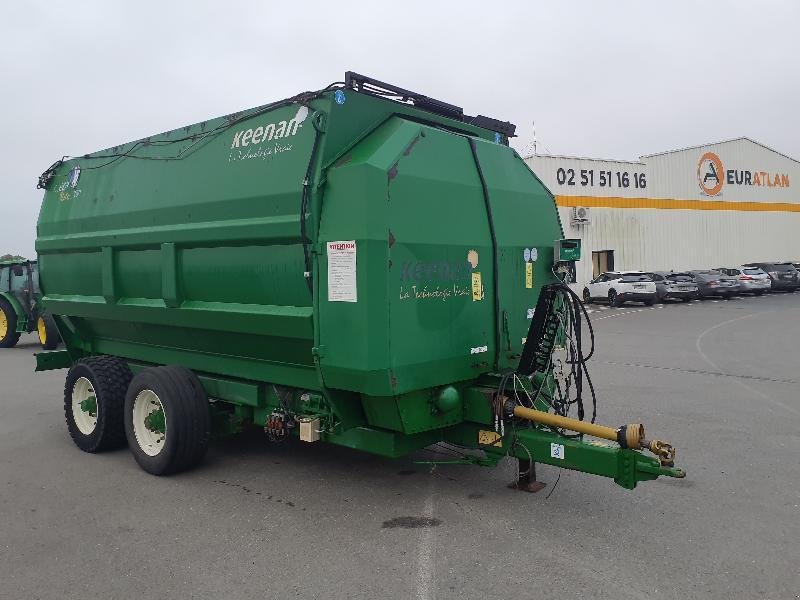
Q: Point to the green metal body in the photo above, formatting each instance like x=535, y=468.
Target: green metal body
x=19, y=286
x=188, y=248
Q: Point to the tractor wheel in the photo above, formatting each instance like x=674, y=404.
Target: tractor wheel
x=9, y=336
x=48, y=334
x=167, y=420
x=94, y=395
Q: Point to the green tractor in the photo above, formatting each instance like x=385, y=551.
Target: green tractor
x=20, y=305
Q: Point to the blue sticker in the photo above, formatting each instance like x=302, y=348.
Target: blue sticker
x=497, y=137
x=339, y=97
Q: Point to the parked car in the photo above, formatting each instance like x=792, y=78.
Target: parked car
x=619, y=287
x=752, y=280
x=713, y=283
x=674, y=286
x=783, y=275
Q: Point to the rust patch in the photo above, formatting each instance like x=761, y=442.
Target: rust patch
x=391, y=239
x=392, y=172
x=410, y=147
x=343, y=161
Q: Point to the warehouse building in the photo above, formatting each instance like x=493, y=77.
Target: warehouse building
x=720, y=204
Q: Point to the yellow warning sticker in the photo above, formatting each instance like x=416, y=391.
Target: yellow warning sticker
x=528, y=275
x=477, y=287
x=489, y=438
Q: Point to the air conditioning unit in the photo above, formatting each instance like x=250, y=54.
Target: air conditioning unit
x=581, y=216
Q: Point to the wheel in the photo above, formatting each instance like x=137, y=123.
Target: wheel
x=48, y=334
x=94, y=395
x=687, y=298
x=9, y=336
x=650, y=302
x=167, y=420
x=613, y=299
x=587, y=297
x=760, y=293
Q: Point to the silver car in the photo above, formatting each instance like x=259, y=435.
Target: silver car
x=752, y=280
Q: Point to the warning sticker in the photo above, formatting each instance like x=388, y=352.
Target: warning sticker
x=477, y=287
x=342, y=272
x=528, y=275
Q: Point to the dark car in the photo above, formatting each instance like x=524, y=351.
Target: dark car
x=674, y=286
x=784, y=276
x=714, y=283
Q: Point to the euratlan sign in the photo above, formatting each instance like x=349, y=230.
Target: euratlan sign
x=712, y=176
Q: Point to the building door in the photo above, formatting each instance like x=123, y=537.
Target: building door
x=602, y=261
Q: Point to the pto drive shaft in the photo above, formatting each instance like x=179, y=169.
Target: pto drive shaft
x=628, y=436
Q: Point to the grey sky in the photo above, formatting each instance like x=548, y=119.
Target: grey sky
x=600, y=79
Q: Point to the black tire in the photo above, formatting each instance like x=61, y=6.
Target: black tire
x=46, y=328
x=613, y=299
x=687, y=299
x=759, y=293
x=109, y=377
x=187, y=420
x=11, y=336
x=587, y=297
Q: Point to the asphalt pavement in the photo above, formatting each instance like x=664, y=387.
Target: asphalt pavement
x=719, y=380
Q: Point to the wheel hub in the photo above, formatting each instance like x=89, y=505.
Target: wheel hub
x=3, y=325
x=156, y=422
x=149, y=422
x=84, y=406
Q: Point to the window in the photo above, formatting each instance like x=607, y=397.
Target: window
x=602, y=261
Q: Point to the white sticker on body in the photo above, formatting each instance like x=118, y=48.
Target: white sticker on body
x=557, y=451
x=479, y=350
x=342, y=285
x=534, y=254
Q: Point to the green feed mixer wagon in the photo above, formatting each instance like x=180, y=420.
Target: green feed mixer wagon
x=20, y=305
x=362, y=265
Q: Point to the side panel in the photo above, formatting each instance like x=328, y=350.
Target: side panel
x=191, y=252
x=526, y=226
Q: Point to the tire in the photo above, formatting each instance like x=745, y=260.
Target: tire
x=687, y=299
x=105, y=378
x=178, y=438
x=650, y=302
x=759, y=293
x=613, y=299
x=9, y=336
x=587, y=297
x=48, y=333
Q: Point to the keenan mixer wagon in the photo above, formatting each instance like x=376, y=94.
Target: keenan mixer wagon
x=362, y=265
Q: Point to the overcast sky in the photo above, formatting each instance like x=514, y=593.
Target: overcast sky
x=600, y=79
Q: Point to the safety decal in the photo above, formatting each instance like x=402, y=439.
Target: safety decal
x=477, y=287
x=557, y=451
x=342, y=272
x=489, y=438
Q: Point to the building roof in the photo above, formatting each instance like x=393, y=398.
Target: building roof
x=614, y=160
x=738, y=139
